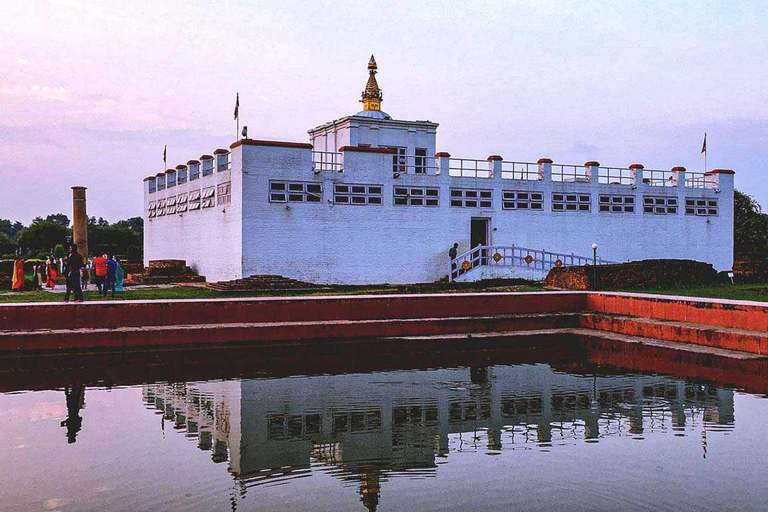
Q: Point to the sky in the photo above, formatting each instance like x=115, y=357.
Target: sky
x=90, y=92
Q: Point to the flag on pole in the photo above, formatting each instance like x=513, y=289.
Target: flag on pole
x=165, y=155
x=237, y=106
x=704, y=145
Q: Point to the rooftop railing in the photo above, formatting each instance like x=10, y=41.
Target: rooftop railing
x=615, y=176
x=521, y=171
x=470, y=168
x=658, y=178
x=570, y=173
x=326, y=161
x=411, y=164
x=699, y=180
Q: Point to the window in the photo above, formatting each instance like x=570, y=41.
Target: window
x=356, y=194
x=207, y=167
x=517, y=200
x=152, y=186
x=181, y=176
x=225, y=193
x=398, y=159
x=194, y=171
x=703, y=207
x=295, y=192
x=151, y=212
x=421, y=161
x=417, y=196
x=471, y=198
x=161, y=183
x=170, y=180
x=617, y=204
x=171, y=201
x=170, y=210
x=208, y=197
x=571, y=202
x=660, y=205
x=222, y=162
x=194, y=200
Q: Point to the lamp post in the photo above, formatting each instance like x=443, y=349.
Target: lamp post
x=594, y=266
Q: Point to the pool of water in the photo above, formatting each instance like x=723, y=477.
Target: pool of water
x=568, y=425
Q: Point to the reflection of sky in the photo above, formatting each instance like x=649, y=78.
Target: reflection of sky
x=97, y=88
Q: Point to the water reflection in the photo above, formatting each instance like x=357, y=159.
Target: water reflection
x=75, y=397
x=370, y=427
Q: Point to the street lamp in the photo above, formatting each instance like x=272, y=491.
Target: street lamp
x=594, y=266
x=594, y=254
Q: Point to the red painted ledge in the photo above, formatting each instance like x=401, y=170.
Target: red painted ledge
x=271, y=143
x=443, y=154
x=721, y=171
x=678, y=168
x=220, y=152
x=181, y=166
x=365, y=149
x=637, y=166
x=206, y=157
x=495, y=158
x=191, y=162
x=592, y=163
x=544, y=161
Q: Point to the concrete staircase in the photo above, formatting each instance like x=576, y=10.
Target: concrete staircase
x=266, y=283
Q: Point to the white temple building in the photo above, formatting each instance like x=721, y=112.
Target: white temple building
x=370, y=200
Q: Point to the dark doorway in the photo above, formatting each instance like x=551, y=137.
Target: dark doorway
x=479, y=232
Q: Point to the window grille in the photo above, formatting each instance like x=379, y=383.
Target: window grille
x=471, y=198
x=398, y=159
x=208, y=197
x=171, y=180
x=170, y=210
x=171, y=201
x=225, y=193
x=702, y=207
x=660, y=205
x=208, y=192
x=295, y=192
x=519, y=200
x=161, y=203
x=181, y=176
x=181, y=198
x=194, y=204
x=617, y=204
x=152, y=186
x=420, y=163
x=207, y=167
x=181, y=208
x=151, y=205
x=151, y=214
x=160, y=212
x=416, y=196
x=356, y=194
x=194, y=171
x=571, y=202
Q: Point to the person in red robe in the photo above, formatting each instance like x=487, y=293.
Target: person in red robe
x=52, y=274
x=18, y=275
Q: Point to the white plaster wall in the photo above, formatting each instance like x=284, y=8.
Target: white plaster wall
x=209, y=239
x=397, y=244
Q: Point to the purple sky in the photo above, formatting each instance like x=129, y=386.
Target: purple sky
x=91, y=91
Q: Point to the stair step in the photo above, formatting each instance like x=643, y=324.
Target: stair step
x=742, y=340
x=204, y=334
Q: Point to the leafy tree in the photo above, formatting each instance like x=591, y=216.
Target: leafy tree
x=10, y=228
x=59, y=251
x=6, y=244
x=115, y=240
x=135, y=224
x=750, y=225
x=41, y=236
x=58, y=218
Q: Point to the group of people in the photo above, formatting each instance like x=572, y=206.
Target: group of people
x=43, y=275
x=107, y=272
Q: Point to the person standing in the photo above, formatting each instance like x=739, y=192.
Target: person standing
x=84, y=276
x=52, y=274
x=111, y=276
x=452, y=253
x=120, y=276
x=100, y=269
x=72, y=266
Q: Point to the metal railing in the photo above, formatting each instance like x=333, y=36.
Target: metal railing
x=570, y=173
x=469, y=168
x=326, y=161
x=615, y=176
x=521, y=171
x=515, y=256
x=656, y=178
x=699, y=180
x=412, y=164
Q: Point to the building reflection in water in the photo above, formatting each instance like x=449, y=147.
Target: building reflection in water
x=366, y=428
x=75, y=397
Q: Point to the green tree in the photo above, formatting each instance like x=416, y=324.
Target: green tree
x=750, y=225
x=59, y=251
x=41, y=236
x=135, y=224
x=10, y=228
x=58, y=218
x=115, y=240
x=6, y=244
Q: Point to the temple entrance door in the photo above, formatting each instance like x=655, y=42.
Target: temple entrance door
x=479, y=232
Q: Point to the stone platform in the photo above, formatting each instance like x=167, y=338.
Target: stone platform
x=707, y=325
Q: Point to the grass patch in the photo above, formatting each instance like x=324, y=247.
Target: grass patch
x=757, y=292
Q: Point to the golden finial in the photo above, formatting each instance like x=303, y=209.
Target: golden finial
x=372, y=94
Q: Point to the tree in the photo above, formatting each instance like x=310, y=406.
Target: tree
x=115, y=240
x=6, y=244
x=750, y=225
x=41, y=236
x=58, y=218
x=135, y=224
x=59, y=251
x=10, y=228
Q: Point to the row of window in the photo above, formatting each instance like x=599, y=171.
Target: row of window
x=359, y=194
x=193, y=172
x=190, y=201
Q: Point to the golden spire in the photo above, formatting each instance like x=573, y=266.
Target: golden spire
x=372, y=94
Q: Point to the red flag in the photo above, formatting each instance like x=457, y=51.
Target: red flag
x=704, y=145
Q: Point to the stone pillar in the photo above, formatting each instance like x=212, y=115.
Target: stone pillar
x=592, y=169
x=545, y=169
x=80, y=221
x=637, y=174
x=443, y=162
